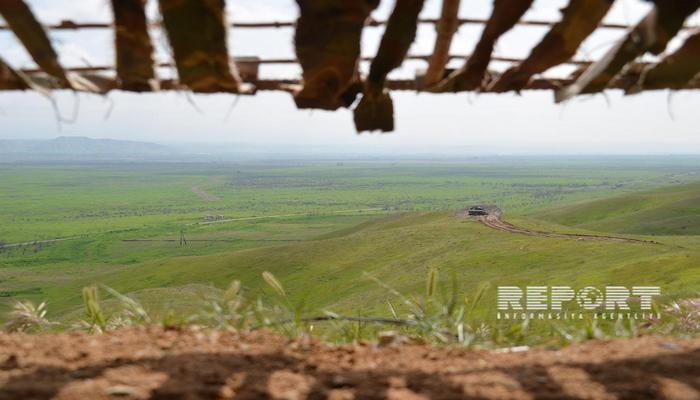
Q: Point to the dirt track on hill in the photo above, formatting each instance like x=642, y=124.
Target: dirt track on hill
x=496, y=222
x=204, y=195
x=191, y=364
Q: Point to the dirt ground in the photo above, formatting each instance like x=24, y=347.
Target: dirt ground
x=495, y=221
x=153, y=363
x=204, y=195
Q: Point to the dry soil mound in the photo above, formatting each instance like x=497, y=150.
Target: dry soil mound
x=191, y=364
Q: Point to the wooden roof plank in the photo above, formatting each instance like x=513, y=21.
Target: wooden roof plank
x=29, y=31
x=133, y=47
x=197, y=34
x=327, y=43
x=579, y=19
x=10, y=79
x=504, y=16
x=652, y=34
x=376, y=109
x=673, y=71
x=446, y=28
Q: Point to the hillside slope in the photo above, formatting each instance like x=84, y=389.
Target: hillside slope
x=671, y=210
x=330, y=272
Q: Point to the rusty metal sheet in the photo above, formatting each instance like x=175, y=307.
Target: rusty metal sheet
x=376, y=109
x=33, y=36
x=652, y=34
x=197, y=33
x=504, y=16
x=327, y=44
x=134, y=51
x=579, y=19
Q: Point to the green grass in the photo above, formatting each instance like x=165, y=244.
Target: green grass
x=398, y=250
x=671, y=210
x=323, y=256
x=41, y=201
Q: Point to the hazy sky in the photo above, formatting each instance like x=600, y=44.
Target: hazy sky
x=651, y=122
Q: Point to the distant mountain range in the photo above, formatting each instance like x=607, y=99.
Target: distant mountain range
x=77, y=145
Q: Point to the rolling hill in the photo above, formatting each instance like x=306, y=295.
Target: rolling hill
x=671, y=210
x=329, y=272
x=78, y=145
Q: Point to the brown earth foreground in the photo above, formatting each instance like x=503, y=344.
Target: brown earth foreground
x=193, y=364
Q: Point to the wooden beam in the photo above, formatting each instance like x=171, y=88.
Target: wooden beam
x=652, y=34
x=29, y=31
x=673, y=71
x=198, y=36
x=446, y=28
x=69, y=25
x=504, y=16
x=9, y=78
x=134, y=51
x=579, y=19
x=291, y=85
x=327, y=44
x=375, y=111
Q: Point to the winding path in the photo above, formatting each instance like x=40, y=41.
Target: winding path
x=35, y=242
x=495, y=221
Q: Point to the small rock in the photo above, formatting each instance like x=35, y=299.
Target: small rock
x=122, y=390
x=389, y=338
x=516, y=349
x=671, y=346
x=339, y=381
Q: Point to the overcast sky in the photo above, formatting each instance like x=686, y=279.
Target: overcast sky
x=648, y=123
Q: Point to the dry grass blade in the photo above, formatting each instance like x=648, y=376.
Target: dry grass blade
x=273, y=283
x=25, y=317
x=431, y=287
x=134, y=309
x=96, y=319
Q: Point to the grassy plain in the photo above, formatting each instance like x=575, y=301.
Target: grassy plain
x=319, y=227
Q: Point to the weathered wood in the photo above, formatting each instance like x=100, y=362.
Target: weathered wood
x=10, y=79
x=446, y=28
x=376, y=109
x=327, y=43
x=673, y=71
x=504, y=16
x=652, y=34
x=69, y=25
x=292, y=85
x=198, y=36
x=29, y=31
x=579, y=19
x=134, y=51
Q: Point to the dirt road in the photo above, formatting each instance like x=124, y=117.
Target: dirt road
x=204, y=195
x=284, y=216
x=192, y=364
x=495, y=221
x=35, y=242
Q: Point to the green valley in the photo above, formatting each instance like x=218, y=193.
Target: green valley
x=168, y=233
